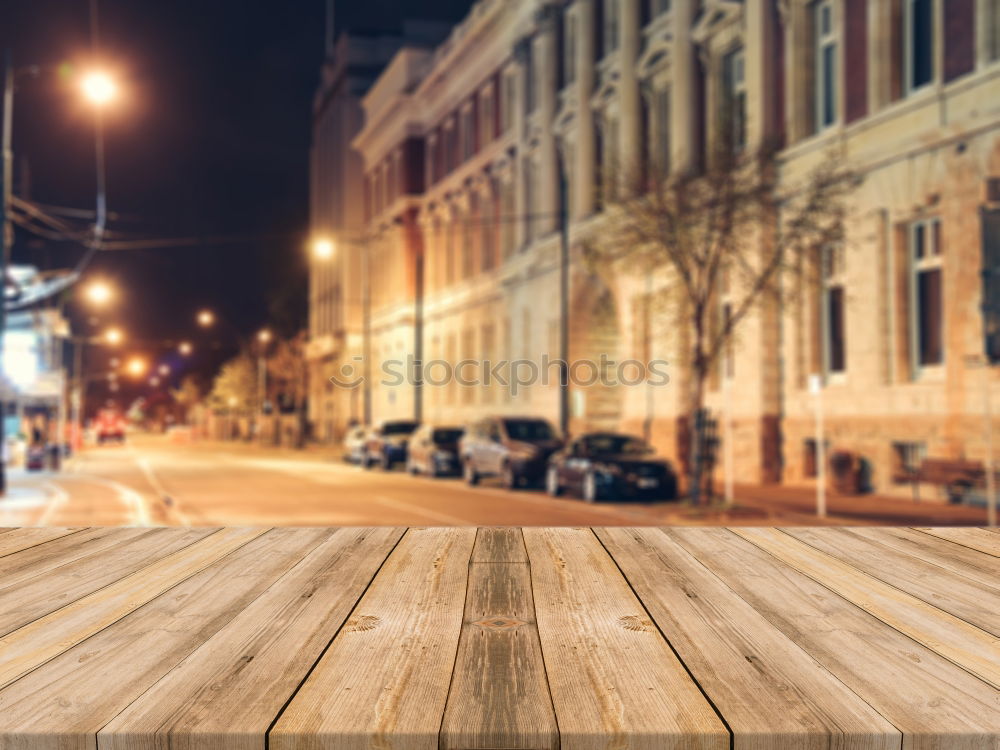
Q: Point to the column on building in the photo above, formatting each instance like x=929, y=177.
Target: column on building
x=584, y=170
x=522, y=53
x=546, y=71
x=684, y=99
x=630, y=114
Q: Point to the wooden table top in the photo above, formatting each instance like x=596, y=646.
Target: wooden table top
x=466, y=639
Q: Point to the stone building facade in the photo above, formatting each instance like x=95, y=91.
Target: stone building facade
x=472, y=149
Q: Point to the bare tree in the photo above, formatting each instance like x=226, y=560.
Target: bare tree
x=736, y=227
x=289, y=372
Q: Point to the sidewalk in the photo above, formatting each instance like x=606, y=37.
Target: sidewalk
x=880, y=509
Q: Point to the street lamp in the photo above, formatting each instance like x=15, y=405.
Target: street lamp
x=323, y=249
x=206, y=318
x=164, y=370
x=264, y=337
x=114, y=336
x=99, y=88
x=99, y=293
x=136, y=367
x=185, y=349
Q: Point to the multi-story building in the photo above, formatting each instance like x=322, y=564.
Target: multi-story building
x=472, y=150
x=354, y=60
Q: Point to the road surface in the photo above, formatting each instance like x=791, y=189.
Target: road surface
x=152, y=481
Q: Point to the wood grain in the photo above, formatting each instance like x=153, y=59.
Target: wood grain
x=940, y=587
x=26, y=538
x=982, y=568
x=935, y=703
x=615, y=683
x=50, y=558
x=228, y=692
x=744, y=664
x=384, y=680
x=27, y=601
x=64, y=703
x=499, y=696
x=983, y=540
x=35, y=643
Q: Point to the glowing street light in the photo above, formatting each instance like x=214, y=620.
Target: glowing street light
x=206, y=318
x=185, y=348
x=265, y=336
x=99, y=88
x=154, y=381
x=323, y=249
x=99, y=293
x=164, y=370
x=136, y=367
x=114, y=336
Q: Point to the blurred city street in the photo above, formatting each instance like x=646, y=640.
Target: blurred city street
x=154, y=481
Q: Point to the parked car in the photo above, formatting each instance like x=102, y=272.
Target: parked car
x=516, y=449
x=110, y=427
x=433, y=451
x=355, y=443
x=610, y=466
x=387, y=443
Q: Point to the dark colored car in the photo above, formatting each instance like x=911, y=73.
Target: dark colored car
x=388, y=442
x=610, y=466
x=433, y=451
x=516, y=449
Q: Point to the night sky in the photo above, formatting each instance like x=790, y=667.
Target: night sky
x=211, y=137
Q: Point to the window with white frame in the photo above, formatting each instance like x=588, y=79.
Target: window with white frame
x=825, y=64
x=918, y=43
x=832, y=311
x=926, y=287
x=508, y=208
x=734, y=104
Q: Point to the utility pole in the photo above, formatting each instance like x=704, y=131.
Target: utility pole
x=6, y=239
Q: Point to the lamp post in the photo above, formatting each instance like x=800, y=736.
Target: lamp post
x=816, y=388
x=264, y=338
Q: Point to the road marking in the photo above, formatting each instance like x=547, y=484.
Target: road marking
x=126, y=495
x=169, y=502
x=59, y=498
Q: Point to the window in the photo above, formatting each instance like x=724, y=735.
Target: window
x=469, y=226
x=451, y=247
x=657, y=8
x=530, y=84
x=661, y=132
x=825, y=64
x=926, y=300
x=832, y=311
x=599, y=178
x=451, y=146
x=508, y=208
x=610, y=148
x=486, y=117
x=569, y=49
x=507, y=102
x=734, y=99
x=488, y=230
x=993, y=30
x=612, y=25
x=530, y=185
x=467, y=133
x=918, y=47
x=432, y=161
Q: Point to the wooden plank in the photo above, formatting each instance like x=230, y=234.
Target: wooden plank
x=20, y=539
x=64, y=703
x=31, y=599
x=948, y=591
x=982, y=568
x=762, y=683
x=499, y=696
x=967, y=645
x=983, y=540
x=35, y=643
x=228, y=692
x=614, y=680
x=935, y=703
x=499, y=545
x=384, y=680
x=50, y=558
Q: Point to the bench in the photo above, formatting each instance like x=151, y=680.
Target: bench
x=956, y=476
